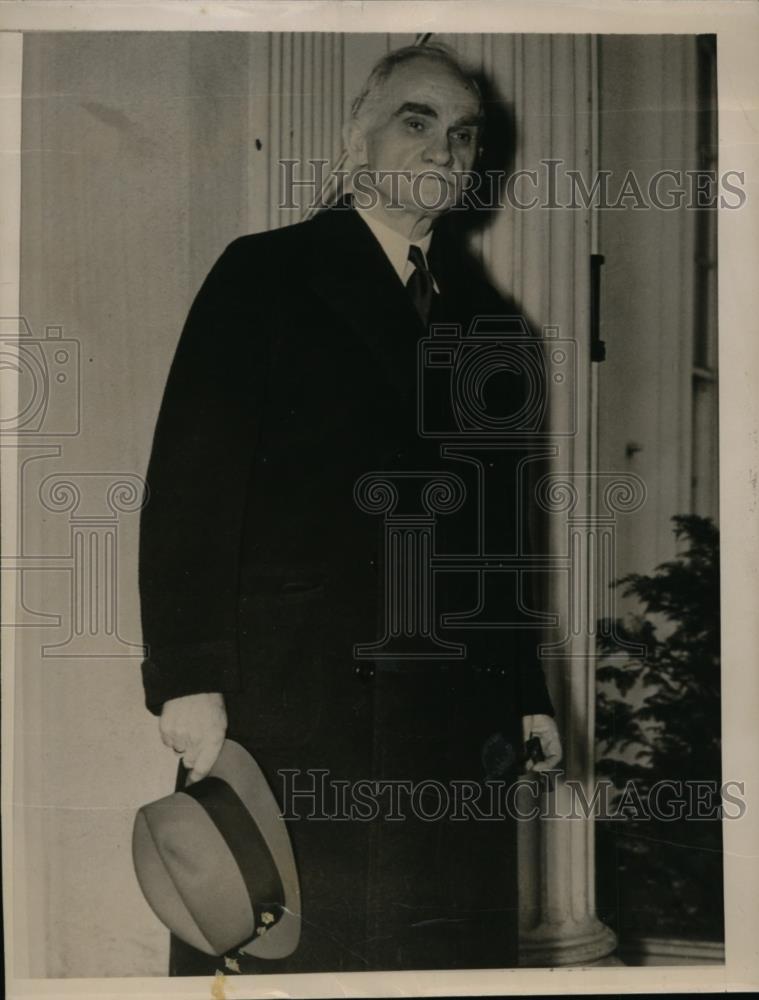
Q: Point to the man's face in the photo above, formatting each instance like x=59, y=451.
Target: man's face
x=426, y=123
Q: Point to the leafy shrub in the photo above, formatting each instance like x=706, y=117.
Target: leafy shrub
x=658, y=718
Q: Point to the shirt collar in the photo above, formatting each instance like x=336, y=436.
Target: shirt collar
x=395, y=244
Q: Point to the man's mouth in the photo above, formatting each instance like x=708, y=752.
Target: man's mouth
x=448, y=183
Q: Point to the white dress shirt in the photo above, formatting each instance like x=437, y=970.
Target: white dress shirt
x=396, y=245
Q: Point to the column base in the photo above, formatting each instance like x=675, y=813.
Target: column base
x=566, y=943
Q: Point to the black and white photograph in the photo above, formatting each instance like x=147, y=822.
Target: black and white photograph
x=379, y=516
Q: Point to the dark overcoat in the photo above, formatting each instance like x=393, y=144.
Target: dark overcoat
x=260, y=572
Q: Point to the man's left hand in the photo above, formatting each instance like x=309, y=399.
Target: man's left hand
x=544, y=727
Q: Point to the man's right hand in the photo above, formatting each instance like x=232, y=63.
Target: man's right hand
x=194, y=726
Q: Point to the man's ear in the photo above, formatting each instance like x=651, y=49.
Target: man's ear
x=354, y=141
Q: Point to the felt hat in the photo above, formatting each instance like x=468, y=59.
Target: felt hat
x=215, y=863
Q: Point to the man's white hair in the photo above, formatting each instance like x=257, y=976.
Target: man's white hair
x=366, y=101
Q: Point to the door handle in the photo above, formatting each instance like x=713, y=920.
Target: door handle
x=597, y=346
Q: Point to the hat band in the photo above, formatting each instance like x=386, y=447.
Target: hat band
x=247, y=846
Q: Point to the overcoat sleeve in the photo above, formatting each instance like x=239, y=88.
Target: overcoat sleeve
x=197, y=480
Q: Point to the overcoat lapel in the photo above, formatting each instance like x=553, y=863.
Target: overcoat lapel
x=350, y=271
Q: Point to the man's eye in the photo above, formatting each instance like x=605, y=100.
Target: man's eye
x=416, y=125
x=465, y=138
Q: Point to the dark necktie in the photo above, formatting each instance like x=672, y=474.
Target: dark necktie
x=419, y=285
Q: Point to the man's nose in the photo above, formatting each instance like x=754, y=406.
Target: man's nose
x=439, y=152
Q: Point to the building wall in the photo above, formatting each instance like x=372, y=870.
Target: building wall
x=649, y=121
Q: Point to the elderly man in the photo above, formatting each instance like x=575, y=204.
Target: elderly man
x=264, y=575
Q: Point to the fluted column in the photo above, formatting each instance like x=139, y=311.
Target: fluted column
x=302, y=76
x=554, y=90
x=557, y=883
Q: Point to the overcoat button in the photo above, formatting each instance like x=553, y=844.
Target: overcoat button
x=364, y=671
